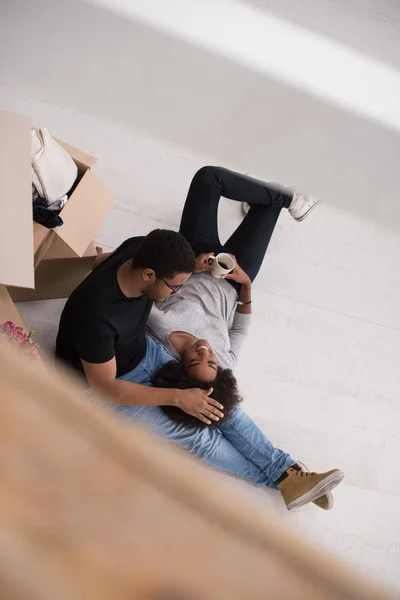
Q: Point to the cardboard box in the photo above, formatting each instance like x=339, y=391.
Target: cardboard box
x=23, y=247
x=16, y=233
x=58, y=274
x=85, y=210
x=8, y=311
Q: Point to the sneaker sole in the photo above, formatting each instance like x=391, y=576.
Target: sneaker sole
x=299, y=219
x=329, y=497
x=329, y=500
x=324, y=486
x=245, y=211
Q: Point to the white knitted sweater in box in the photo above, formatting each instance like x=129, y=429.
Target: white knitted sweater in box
x=53, y=170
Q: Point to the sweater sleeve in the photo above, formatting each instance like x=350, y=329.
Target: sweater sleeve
x=237, y=333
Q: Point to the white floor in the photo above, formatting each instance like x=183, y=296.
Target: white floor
x=320, y=372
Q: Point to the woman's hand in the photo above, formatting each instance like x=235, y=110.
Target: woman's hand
x=203, y=263
x=197, y=403
x=238, y=274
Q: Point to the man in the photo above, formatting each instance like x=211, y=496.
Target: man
x=102, y=327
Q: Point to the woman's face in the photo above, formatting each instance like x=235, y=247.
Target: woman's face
x=200, y=361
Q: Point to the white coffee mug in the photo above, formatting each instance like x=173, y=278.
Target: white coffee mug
x=223, y=264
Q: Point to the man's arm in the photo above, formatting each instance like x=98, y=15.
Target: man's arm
x=196, y=402
x=102, y=378
x=95, y=344
x=101, y=257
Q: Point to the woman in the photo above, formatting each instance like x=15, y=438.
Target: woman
x=219, y=310
x=204, y=325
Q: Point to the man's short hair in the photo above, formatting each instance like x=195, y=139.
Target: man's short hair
x=166, y=252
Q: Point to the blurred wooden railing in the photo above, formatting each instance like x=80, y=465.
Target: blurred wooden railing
x=94, y=509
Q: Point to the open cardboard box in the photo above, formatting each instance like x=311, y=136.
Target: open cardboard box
x=16, y=233
x=85, y=210
x=68, y=247
x=59, y=272
x=8, y=310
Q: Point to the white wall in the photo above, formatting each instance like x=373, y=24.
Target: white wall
x=320, y=372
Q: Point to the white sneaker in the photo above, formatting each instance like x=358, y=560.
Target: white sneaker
x=245, y=208
x=301, y=206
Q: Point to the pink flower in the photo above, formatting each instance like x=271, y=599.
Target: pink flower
x=17, y=338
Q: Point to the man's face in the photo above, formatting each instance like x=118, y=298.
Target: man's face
x=163, y=288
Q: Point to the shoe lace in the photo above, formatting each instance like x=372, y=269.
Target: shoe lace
x=300, y=471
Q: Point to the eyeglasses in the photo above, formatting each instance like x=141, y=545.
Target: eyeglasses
x=174, y=288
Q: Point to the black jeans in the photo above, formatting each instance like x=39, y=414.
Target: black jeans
x=250, y=241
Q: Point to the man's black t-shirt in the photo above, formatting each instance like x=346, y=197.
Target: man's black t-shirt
x=99, y=322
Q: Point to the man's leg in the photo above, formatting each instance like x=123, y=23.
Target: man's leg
x=208, y=444
x=239, y=448
x=156, y=356
x=296, y=486
x=244, y=435
x=250, y=241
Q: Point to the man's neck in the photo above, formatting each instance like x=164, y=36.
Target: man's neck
x=129, y=281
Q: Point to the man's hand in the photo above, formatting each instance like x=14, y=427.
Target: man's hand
x=238, y=274
x=101, y=257
x=197, y=403
x=203, y=263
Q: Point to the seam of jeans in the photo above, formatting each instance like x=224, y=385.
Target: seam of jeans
x=247, y=440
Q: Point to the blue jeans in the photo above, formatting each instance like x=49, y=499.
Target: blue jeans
x=238, y=446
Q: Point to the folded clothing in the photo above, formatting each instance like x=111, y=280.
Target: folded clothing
x=42, y=213
x=53, y=170
x=36, y=195
x=57, y=205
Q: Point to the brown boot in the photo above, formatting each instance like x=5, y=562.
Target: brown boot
x=299, y=487
x=326, y=501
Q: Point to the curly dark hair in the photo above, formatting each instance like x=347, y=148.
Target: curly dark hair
x=166, y=252
x=225, y=391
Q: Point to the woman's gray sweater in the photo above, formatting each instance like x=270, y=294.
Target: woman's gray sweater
x=206, y=308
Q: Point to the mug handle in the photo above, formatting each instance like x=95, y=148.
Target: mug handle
x=211, y=259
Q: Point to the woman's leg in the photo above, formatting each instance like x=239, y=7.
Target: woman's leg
x=249, y=243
